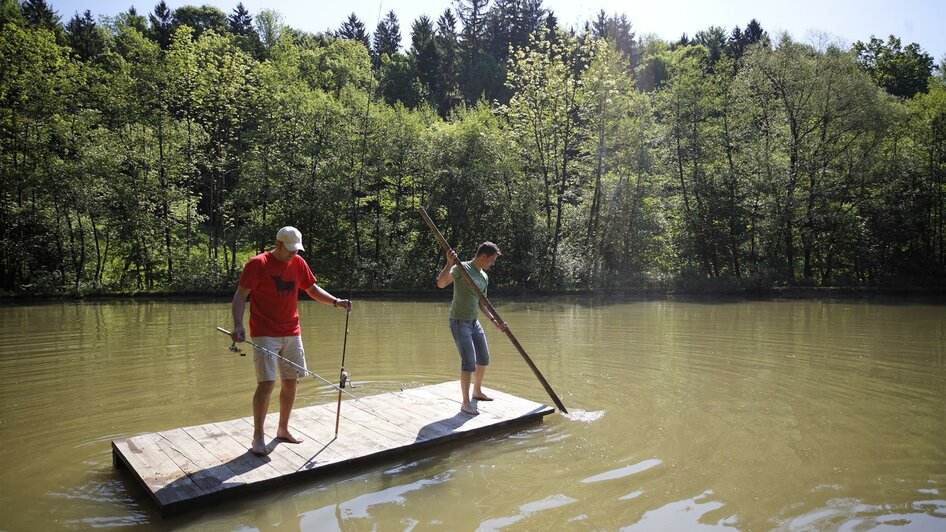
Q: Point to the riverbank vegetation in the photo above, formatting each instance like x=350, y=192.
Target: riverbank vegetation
x=155, y=153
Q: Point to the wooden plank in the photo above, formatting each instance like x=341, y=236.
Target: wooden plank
x=166, y=482
x=503, y=404
x=242, y=432
x=391, y=409
x=465, y=422
x=356, y=441
x=424, y=422
x=430, y=417
x=195, y=460
x=184, y=468
x=246, y=466
x=384, y=427
x=309, y=454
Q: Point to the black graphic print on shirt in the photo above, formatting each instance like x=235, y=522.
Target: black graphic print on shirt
x=283, y=288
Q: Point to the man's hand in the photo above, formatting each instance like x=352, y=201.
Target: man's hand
x=452, y=258
x=343, y=303
x=238, y=334
x=501, y=325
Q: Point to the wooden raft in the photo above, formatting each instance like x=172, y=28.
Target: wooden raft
x=188, y=467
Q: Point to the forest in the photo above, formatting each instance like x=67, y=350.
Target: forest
x=156, y=152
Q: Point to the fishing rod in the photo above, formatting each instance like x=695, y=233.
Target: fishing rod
x=342, y=375
x=488, y=306
x=297, y=367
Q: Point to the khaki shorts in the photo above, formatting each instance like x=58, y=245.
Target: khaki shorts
x=288, y=347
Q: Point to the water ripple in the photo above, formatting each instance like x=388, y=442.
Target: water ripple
x=686, y=514
x=584, y=416
x=526, y=511
x=622, y=472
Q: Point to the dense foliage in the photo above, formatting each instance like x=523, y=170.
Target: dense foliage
x=158, y=152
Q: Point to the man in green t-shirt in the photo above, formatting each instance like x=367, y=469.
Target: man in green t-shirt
x=464, y=325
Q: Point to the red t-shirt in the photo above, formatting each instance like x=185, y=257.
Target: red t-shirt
x=274, y=293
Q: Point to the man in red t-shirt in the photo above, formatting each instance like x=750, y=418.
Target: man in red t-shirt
x=273, y=280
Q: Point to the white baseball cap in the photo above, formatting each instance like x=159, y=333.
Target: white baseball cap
x=291, y=238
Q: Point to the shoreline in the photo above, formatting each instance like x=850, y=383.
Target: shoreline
x=630, y=294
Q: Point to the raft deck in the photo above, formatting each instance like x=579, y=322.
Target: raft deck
x=186, y=468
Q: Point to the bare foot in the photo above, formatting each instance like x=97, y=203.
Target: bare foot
x=288, y=438
x=259, y=447
x=469, y=409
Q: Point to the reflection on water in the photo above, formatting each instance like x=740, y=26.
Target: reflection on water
x=526, y=510
x=687, y=514
x=622, y=472
x=684, y=415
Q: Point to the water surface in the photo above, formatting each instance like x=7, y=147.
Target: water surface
x=750, y=415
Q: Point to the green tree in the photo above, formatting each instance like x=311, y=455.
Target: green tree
x=714, y=39
x=688, y=104
x=423, y=54
x=354, y=29
x=652, y=71
x=446, y=89
x=161, y=148
x=225, y=88
x=10, y=12
x=200, y=19
x=35, y=84
x=474, y=75
x=38, y=13
x=476, y=192
x=240, y=22
x=847, y=116
x=131, y=19
x=84, y=37
x=240, y=25
x=397, y=81
x=345, y=63
x=387, y=38
x=900, y=71
x=543, y=114
x=161, y=23
x=820, y=122
x=615, y=140
x=619, y=31
x=269, y=27
x=926, y=189
x=739, y=40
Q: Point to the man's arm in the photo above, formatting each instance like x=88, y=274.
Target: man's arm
x=237, y=306
x=444, y=279
x=319, y=294
x=492, y=317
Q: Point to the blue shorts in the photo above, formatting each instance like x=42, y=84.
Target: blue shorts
x=471, y=343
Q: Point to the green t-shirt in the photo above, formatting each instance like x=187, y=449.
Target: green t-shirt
x=466, y=302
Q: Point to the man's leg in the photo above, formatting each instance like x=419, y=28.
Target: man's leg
x=461, y=335
x=287, y=397
x=465, y=377
x=477, y=382
x=260, y=407
x=482, y=360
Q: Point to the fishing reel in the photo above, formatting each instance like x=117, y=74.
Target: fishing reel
x=235, y=349
x=343, y=379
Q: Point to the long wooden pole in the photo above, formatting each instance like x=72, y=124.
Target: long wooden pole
x=485, y=302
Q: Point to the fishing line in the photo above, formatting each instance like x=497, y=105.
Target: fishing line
x=358, y=402
x=297, y=367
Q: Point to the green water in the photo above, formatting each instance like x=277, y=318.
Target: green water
x=752, y=415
